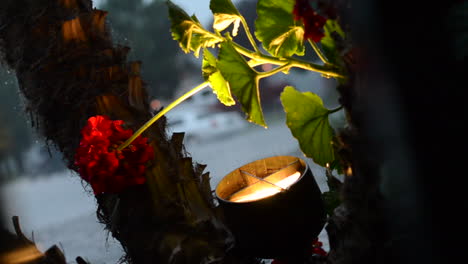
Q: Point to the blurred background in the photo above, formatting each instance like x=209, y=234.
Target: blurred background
x=52, y=203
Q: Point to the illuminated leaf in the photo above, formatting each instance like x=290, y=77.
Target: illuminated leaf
x=276, y=29
x=218, y=83
x=225, y=14
x=329, y=45
x=189, y=32
x=307, y=119
x=243, y=81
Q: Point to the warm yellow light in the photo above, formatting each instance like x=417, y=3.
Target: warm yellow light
x=69, y=3
x=257, y=195
x=72, y=30
x=288, y=181
x=22, y=255
x=257, y=192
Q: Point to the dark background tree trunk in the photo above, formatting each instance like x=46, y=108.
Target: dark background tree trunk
x=405, y=200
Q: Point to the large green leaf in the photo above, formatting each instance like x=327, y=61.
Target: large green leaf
x=276, y=29
x=217, y=82
x=225, y=14
x=307, y=119
x=243, y=81
x=189, y=32
x=328, y=42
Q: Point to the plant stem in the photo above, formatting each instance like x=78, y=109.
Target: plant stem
x=335, y=110
x=258, y=56
x=323, y=69
x=249, y=35
x=318, y=52
x=163, y=112
x=274, y=71
x=254, y=63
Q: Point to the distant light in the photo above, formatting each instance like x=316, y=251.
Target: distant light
x=155, y=104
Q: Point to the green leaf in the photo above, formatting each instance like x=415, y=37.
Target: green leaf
x=223, y=7
x=225, y=14
x=329, y=44
x=208, y=64
x=243, y=81
x=189, y=32
x=332, y=197
x=331, y=200
x=335, y=165
x=217, y=82
x=276, y=29
x=307, y=119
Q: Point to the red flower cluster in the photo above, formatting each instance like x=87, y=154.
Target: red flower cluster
x=316, y=250
x=313, y=22
x=101, y=164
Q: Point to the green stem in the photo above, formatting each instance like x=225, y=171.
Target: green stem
x=323, y=69
x=318, y=51
x=163, y=112
x=258, y=56
x=335, y=110
x=274, y=71
x=255, y=63
x=249, y=35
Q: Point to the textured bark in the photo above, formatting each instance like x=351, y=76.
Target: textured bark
x=356, y=228
x=68, y=70
x=402, y=202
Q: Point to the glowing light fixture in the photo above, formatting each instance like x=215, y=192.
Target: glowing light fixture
x=272, y=206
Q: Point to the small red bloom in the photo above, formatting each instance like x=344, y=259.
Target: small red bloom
x=317, y=248
x=319, y=251
x=107, y=169
x=313, y=22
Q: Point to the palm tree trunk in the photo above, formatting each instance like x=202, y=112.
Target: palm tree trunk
x=68, y=70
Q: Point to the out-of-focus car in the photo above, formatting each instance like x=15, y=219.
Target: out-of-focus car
x=201, y=125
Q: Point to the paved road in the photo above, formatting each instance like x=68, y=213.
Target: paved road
x=59, y=211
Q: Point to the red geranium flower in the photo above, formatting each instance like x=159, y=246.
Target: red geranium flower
x=101, y=164
x=313, y=22
x=317, y=248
